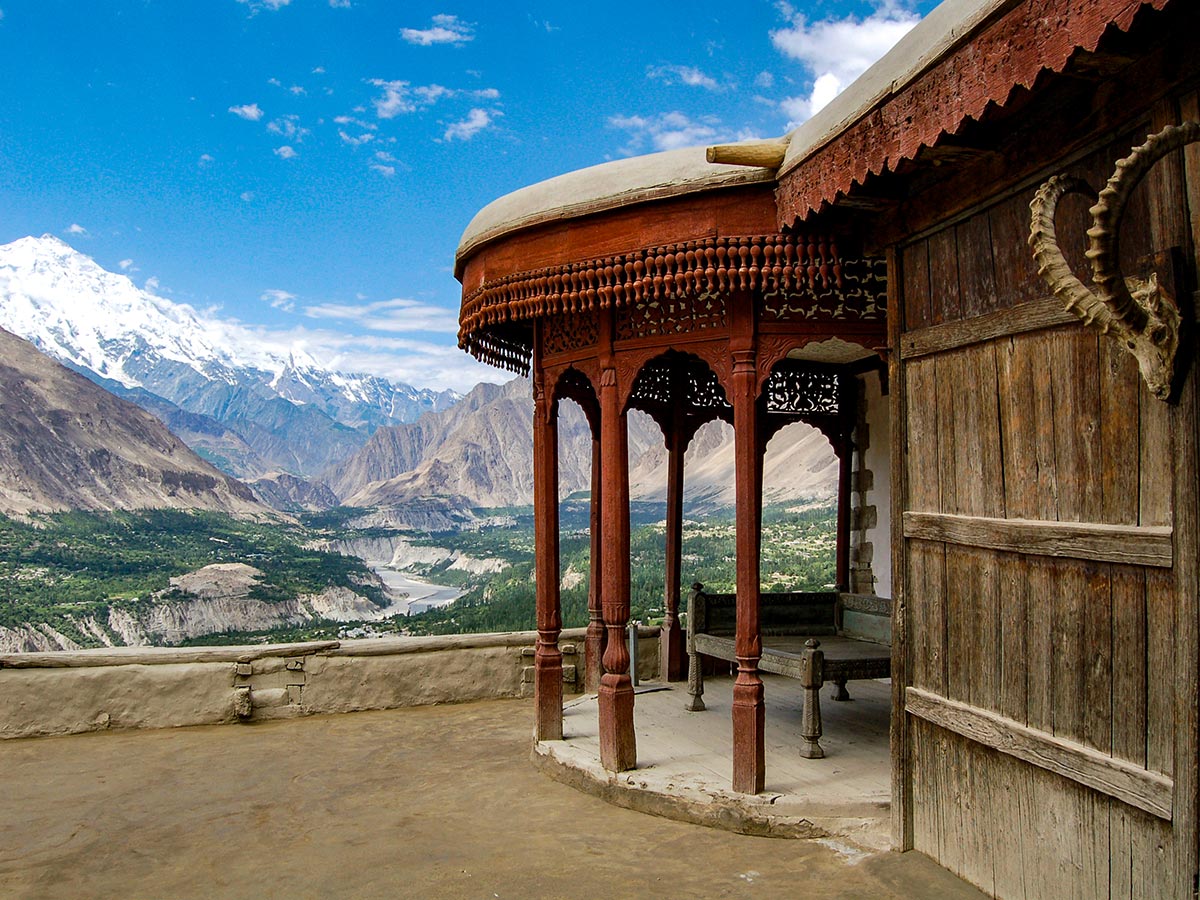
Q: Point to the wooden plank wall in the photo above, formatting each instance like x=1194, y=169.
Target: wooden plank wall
x=1013, y=410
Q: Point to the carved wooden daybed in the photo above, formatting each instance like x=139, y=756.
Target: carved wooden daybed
x=813, y=637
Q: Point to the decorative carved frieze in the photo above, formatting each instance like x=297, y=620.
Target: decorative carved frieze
x=671, y=316
x=672, y=289
x=566, y=334
x=801, y=391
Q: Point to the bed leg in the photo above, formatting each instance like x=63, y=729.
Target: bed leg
x=839, y=691
x=812, y=664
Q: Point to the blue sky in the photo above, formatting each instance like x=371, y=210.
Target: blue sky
x=307, y=166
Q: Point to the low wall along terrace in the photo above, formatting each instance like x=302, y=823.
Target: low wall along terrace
x=150, y=687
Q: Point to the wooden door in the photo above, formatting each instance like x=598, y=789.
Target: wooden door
x=1045, y=518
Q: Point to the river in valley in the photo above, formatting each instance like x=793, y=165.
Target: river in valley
x=422, y=595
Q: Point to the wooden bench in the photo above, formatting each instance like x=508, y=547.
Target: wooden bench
x=813, y=637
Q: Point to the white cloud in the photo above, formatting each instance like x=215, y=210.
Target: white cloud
x=432, y=93
x=389, y=315
x=400, y=97
x=836, y=51
x=256, y=5
x=298, y=90
x=151, y=284
x=475, y=122
x=247, y=196
x=205, y=160
x=340, y=4
x=285, y=152
x=289, y=127
x=350, y=120
x=394, y=100
x=76, y=228
x=487, y=94
x=444, y=29
x=319, y=70
x=355, y=141
x=686, y=75
x=126, y=265
x=279, y=299
x=250, y=112
x=385, y=171
x=384, y=156
x=764, y=80
x=666, y=131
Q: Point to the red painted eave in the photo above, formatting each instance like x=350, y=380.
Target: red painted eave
x=1006, y=52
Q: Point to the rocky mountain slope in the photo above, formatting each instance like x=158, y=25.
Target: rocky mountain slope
x=480, y=454
x=281, y=409
x=66, y=443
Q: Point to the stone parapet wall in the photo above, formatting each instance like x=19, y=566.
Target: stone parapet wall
x=69, y=692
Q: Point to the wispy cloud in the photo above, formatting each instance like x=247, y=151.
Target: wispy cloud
x=246, y=196
x=250, y=112
x=256, y=5
x=126, y=265
x=289, y=127
x=285, y=152
x=400, y=97
x=384, y=170
x=205, y=160
x=475, y=122
x=665, y=131
x=685, y=75
x=353, y=141
x=279, y=299
x=396, y=315
x=76, y=228
x=836, y=51
x=340, y=4
x=444, y=29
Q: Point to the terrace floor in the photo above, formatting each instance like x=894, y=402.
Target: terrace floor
x=429, y=802
x=685, y=761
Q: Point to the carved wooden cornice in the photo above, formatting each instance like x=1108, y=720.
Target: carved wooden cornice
x=1032, y=36
x=805, y=268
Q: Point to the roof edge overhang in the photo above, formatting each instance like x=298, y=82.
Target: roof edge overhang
x=602, y=188
x=925, y=87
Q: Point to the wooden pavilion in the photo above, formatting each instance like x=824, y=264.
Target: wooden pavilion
x=1044, y=472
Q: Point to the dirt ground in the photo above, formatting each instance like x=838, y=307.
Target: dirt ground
x=427, y=802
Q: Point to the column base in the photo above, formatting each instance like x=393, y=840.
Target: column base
x=593, y=654
x=618, y=745
x=548, y=697
x=749, y=745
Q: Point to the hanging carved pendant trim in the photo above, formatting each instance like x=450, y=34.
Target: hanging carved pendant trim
x=806, y=270
x=1137, y=312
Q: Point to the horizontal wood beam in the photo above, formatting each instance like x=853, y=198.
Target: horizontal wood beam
x=1127, y=782
x=1026, y=317
x=1133, y=545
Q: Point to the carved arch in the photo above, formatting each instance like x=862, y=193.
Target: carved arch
x=680, y=392
x=572, y=384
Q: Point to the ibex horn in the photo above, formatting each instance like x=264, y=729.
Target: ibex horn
x=1136, y=312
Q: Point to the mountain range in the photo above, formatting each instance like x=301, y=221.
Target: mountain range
x=249, y=408
x=308, y=437
x=66, y=443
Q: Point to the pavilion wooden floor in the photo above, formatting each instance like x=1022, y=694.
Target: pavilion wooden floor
x=685, y=761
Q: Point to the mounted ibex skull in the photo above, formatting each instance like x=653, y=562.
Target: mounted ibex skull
x=1135, y=311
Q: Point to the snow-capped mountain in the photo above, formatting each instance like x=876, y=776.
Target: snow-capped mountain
x=293, y=412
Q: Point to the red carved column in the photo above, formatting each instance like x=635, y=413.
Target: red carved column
x=593, y=643
x=618, y=748
x=547, y=660
x=670, y=649
x=749, y=765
